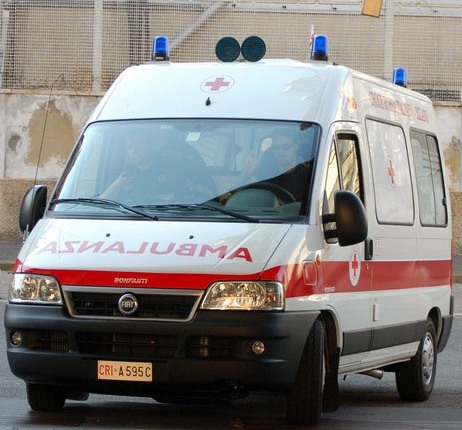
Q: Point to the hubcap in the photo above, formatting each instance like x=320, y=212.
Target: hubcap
x=427, y=359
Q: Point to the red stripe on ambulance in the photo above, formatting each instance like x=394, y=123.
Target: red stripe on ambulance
x=333, y=277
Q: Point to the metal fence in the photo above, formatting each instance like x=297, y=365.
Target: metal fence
x=82, y=45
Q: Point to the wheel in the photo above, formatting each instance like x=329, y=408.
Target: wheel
x=283, y=195
x=415, y=378
x=304, y=400
x=45, y=397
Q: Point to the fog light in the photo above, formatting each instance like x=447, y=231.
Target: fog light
x=16, y=338
x=258, y=347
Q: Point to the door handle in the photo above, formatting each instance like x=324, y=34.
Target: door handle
x=368, y=249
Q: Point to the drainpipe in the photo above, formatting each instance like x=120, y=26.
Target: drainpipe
x=190, y=29
x=97, y=45
x=388, y=39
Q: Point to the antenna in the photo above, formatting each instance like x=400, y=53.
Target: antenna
x=61, y=76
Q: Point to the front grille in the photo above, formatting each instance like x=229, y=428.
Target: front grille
x=93, y=302
x=143, y=346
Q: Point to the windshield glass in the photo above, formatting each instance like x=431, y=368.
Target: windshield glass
x=256, y=168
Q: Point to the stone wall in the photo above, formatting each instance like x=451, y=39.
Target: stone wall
x=37, y=132
x=456, y=204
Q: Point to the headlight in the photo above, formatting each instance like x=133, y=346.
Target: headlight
x=38, y=289
x=252, y=296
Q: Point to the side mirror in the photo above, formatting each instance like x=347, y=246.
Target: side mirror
x=350, y=218
x=32, y=207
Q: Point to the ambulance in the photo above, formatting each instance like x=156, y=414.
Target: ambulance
x=238, y=226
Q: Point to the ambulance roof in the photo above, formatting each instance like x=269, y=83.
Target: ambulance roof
x=267, y=89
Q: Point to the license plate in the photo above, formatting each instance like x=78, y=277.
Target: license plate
x=125, y=371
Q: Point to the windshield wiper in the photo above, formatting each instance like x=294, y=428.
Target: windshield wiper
x=204, y=206
x=105, y=202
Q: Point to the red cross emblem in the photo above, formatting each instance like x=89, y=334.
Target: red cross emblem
x=391, y=172
x=217, y=84
x=354, y=266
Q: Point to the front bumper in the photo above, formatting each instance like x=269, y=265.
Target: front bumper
x=214, y=349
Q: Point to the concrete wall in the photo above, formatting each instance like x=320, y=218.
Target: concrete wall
x=37, y=132
x=449, y=117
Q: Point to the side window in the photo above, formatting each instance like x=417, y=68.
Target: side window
x=343, y=172
x=332, y=181
x=350, y=171
x=391, y=174
x=430, y=184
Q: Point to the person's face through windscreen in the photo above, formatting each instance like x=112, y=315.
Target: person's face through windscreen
x=285, y=150
x=144, y=147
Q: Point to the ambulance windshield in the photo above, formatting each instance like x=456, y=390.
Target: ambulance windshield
x=254, y=168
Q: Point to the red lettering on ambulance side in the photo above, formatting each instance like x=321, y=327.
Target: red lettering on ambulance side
x=422, y=114
x=398, y=107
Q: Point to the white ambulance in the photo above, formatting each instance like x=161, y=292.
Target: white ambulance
x=238, y=226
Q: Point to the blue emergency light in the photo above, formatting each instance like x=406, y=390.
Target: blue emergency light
x=160, y=49
x=319, y=48
x=400, y=76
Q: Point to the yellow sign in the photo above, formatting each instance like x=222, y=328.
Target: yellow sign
x=372, y=7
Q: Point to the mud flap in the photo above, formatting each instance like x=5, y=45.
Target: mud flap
x=330, y=398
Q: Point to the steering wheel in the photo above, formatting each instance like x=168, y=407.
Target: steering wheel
x=284, y=196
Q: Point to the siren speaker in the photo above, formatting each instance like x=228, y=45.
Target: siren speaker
x=227, y=49
x=253, y=48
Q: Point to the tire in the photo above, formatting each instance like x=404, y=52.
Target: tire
x=415, y=378
x=304, y=400
x=45, y=397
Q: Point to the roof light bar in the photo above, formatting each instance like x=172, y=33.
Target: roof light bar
x=228, y=49
x=400, y=76
x=160, y=49
x=319, y=46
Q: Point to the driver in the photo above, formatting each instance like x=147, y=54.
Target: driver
x=142, y=158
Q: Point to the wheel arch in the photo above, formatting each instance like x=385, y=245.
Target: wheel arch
x=331, y=328
x=436, y=317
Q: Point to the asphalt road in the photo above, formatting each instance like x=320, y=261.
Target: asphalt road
x=366, y=403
